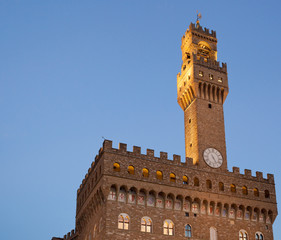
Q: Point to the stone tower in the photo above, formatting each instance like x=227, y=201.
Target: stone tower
x=139, y=196
x=202, y=88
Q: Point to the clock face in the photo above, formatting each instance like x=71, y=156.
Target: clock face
x=213, y=157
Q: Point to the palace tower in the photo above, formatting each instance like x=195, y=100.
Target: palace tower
x=130, y=195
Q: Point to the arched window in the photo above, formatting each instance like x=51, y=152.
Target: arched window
x=209, y=184
x=244, y=190
x=256, y=192
x=123, y=221
x=112, y=193
x=259, y=236
x=233, y=188
x=213, y=234
x=266, y=194
x=131, y=170
x=132, y=196
x=159, y=175
x=185, y=180
x=172, y=177
x=146, y=224
x=168, y=228
x=196, y=182
x=116, y=167
x=243, y=235
x=145, y=172
x=187, y=231
x=122, y=194
x=221, y=186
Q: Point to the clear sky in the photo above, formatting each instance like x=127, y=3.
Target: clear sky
x=73, y=72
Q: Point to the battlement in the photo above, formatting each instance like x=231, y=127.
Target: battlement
x=107, y=146
x=199, y=29
x=163, y=158
x=248, y=175
x=206, y=62
x=70, y=235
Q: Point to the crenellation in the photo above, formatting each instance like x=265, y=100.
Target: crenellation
x=100, y=151
x=189, y=161
x=248, y=172
x=199, y=29
x=270, y=178
x=163, y=155
x=210, y=63
x=122, y=147
x=150, y=153
x=136, y=150
x=176, y=159
x=259, y=175
x=236, y=170
x=107, y=144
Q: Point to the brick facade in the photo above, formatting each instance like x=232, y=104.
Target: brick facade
x=184, y=196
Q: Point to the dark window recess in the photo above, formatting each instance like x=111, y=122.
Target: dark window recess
x=210, y=105
x=195, y=215
x=189, y=120
x=187, y=214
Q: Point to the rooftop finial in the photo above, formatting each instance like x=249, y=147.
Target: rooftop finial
x=199, y=16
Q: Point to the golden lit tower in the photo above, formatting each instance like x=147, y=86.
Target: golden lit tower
x=202, y=88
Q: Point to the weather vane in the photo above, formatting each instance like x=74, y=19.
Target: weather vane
x=199, y=16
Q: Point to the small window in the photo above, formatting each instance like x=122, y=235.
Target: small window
x=211, y=76
x=244, y=190
x=220, y=80
x=145, y=172
x=123, y=221
x=196, y=182
x=187, y=214
x=190, y=145
x=172, y=177
x=266, y=194
x=131, y=170
x=159, y=175
x=233, y=188
x=189, y=77
x=209, y=184
x=209, y=105
x=187, y=232
x=185, y=180
x=221, y=186
x=201, y=74
x=116, y=167
x=259, y=236
x=189, y=120
x=256, y=192
x=168, y=228
x=184, y=67
x=146, y=225
x=243, y=235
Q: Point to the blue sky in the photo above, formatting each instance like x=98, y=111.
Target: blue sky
x=73, y=72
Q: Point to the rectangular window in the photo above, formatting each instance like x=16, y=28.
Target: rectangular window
x=220, y=79
x=211, y=76
x=201, y=74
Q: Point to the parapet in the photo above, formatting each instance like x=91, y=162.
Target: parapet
x=199, y=29
x=248, y=175
x=222, y=67
x=70, y=235
x=150, y=154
